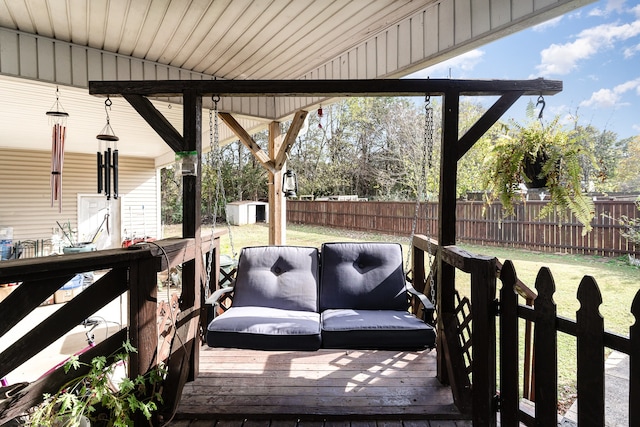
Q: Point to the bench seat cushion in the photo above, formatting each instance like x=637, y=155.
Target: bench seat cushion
x=265, y=328
x=374, y=329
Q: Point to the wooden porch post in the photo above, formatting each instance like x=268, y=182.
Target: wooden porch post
x=191, y=220
x=447, y=223
x=277, y=202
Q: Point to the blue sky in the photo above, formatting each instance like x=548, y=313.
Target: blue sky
x=594, y=50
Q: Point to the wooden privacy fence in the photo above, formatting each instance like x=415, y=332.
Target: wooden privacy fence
x=591, y=339
x=479, y=224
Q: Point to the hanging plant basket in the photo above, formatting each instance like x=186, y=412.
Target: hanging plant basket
x=557, y=167
x=532, y=169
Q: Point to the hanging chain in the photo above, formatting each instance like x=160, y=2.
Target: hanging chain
x=213, y=225
x=215, y=161
x=428, y=131
x=428, y=142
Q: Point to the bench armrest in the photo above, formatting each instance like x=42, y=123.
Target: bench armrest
x=429, y=308
x=214, y=300
x=215, y=297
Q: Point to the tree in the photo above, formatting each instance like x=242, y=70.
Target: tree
x=628, y=177
x=471, y=168
x=171, y=196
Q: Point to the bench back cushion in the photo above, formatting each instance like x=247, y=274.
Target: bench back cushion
x=362, y=276
x=284, y=277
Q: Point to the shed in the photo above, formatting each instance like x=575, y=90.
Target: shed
x=247, y=212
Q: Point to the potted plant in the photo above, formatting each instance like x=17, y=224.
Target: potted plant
x=93, y=399
x=542, y=155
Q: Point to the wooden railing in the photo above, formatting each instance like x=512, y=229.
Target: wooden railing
x=591, y=338
x=466, y=346
x=468, y=353
x=132, y=271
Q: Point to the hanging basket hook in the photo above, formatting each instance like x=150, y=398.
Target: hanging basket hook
x=542, y=102
x=107, y=133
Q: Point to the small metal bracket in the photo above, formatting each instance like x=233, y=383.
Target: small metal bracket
x=496, y=307
x=497, y=403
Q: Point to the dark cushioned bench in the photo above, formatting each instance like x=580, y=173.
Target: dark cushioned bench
x=348, y=295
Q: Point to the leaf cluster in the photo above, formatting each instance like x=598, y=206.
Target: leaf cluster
x=95, y=396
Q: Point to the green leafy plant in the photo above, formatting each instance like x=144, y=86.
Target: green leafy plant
x=561, y=159
x=95, y=396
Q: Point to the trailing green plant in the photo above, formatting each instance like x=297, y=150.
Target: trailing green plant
x=94, y=395
x=561, y=158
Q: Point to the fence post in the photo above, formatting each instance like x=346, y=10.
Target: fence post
x=546, y=351
x=590, y=337
x=483, y=294
x=509, y=402
x=634, y=370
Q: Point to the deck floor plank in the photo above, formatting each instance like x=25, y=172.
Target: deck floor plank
x=327, y=388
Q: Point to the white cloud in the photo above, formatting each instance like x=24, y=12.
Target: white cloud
x=611, y=6
x=559, y=59
x=631, y=51
x=607, y=98
x=551, y=23
x=459, y=65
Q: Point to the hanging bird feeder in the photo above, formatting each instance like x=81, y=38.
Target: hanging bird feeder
x=57, y=118
x=107, y=156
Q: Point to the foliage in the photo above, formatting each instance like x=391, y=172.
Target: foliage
x=563, y=158
x=375, y=148
x=471, y=165
x=171, y=195
x=628, y=177
x=93, y=395
x=631, y=227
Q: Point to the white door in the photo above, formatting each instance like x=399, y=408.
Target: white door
x=99, y=221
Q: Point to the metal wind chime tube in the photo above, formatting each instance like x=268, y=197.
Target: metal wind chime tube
x=107, y=159
x=57, y=117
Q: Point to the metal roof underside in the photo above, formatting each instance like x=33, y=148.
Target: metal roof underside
x=44, y=43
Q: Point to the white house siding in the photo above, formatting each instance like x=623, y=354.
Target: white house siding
x=25, y=194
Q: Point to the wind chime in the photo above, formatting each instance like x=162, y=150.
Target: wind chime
x=57, y=118
x=107, y=157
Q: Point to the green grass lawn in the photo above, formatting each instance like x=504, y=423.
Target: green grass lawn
x=617, y=280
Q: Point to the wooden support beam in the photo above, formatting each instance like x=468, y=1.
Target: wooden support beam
x=248, y=141
x=191, y=222
x=157, y=121
x=325, y=88
x=277, y=202
x=447, y=223
x=290, y=138
x=488, y=119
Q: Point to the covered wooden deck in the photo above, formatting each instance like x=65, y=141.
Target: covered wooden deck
x=347, y=387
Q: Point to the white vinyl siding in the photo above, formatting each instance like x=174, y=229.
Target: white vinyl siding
x=25, y=194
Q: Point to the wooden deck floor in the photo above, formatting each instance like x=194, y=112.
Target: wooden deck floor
x=350, y=388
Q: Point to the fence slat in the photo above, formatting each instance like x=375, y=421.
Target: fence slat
x=508, y=346
x=590, y=337
x=546, y=349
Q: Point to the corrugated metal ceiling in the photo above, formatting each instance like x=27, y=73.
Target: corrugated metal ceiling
x=247, y=39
